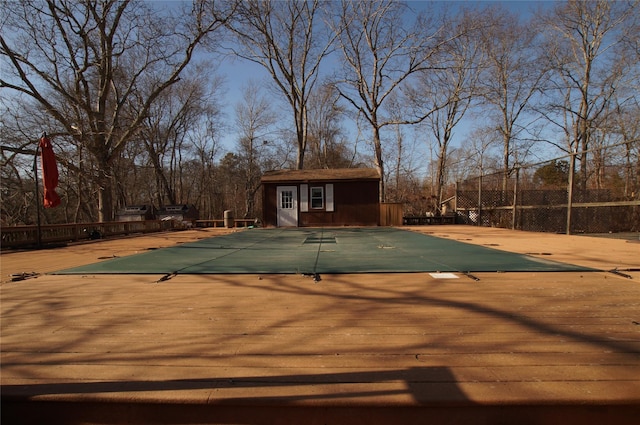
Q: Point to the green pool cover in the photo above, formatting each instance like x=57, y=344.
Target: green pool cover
x=316, y=251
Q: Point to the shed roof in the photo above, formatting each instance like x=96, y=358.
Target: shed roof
x=321, y=175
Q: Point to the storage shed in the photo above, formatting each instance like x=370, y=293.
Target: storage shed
x=309, y=198
x=181, y=212
x=136, y=213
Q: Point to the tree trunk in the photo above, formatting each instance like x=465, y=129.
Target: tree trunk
x=378, y=161
x=105, y=201
x=506, y=141
x=301, y=134
x=398, y=162
x=105, y=189
x=442, y=163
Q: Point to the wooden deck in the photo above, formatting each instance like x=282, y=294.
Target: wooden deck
x=531, y=348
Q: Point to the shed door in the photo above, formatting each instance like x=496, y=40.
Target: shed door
x=287, y=206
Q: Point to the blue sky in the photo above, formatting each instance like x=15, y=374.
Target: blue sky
x=237, y=73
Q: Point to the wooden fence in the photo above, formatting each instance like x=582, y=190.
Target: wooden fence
x=391, y=214
x=33, y=236
x=24, y=236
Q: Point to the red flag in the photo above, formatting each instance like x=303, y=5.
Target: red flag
x=49, y=173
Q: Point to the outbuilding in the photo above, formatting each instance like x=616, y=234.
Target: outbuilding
x=316, y=198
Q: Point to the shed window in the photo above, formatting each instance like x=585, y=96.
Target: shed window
x=317, y=197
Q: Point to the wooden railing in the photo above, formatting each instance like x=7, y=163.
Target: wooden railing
x=27, y=236
x=238, y=222
x=22, y=236
x=424, y=220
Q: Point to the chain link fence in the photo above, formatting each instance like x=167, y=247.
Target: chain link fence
x=597, y=191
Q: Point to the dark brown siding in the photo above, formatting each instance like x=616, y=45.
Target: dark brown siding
x=269, y=206
x=356, y=202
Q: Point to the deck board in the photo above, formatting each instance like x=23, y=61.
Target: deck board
x=552, y=347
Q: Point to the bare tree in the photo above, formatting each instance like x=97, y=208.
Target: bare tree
x=290, y=41
x=480, y=154
x=451, y=89
x=16, y=156
x=625, y=114
x=510, y=78
x=199, y=174
x=327, y=147
x=255, y=121
x=21, y=123
x=626, y=124
x=165, y=131
x=380, y=53
x=88, y=62
x=582, y=37
x=405, y=151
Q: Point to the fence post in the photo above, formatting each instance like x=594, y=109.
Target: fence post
x=480, y=199
x=455, y=202
x=515, y=199
x=572, y=166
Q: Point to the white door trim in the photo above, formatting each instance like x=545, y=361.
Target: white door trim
x=287, y=206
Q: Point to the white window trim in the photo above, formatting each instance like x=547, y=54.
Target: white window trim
x=321, y=197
